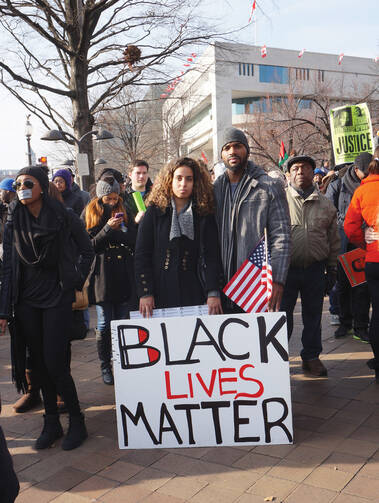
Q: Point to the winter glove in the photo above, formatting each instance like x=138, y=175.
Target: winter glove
x=331, y=277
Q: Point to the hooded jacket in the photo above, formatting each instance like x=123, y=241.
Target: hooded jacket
x=259, y=202
x=364, y=208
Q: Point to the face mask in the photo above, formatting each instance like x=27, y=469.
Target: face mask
x=24, y=194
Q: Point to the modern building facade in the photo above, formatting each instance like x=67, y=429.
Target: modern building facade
x=231, y=83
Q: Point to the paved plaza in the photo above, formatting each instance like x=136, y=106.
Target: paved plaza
x=334, y=458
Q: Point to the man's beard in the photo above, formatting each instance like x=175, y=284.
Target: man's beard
x=236, y=167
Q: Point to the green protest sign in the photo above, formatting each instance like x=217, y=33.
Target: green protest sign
x=351, y=132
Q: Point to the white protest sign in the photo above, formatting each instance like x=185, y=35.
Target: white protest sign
x=202, y=381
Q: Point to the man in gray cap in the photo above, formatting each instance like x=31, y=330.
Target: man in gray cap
x=248, y=201
x=315, y=245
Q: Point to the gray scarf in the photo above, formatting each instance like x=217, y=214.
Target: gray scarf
x=182, y=222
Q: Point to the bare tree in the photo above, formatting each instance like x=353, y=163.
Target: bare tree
x=86, y=52
x=300, y=120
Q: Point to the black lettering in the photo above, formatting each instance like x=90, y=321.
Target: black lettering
x=221, y=338
x=172, y=427
x=369, y=144
x=338, y=148
x=271, y=338
x=152, y=354
x=215, y=406
x=194, y=342
x=167, y=351
x=362, y=138
x=351, y=143
x=188, y=407
x=279, y=422
x=242, y=420
x=140, y=414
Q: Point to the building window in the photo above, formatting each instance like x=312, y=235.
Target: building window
x=246, y=69
x=274, y=74
x=321, y=75
x=302, y=73
x=305, y=104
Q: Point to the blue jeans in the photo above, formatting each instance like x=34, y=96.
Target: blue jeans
x=106, y=312
x=310, y=283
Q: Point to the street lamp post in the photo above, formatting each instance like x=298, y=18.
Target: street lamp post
x=58, y=135
x=28, y=134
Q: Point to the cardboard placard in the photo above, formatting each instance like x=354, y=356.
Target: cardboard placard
x=353, y=263
x=202, y=381
x=351, y=132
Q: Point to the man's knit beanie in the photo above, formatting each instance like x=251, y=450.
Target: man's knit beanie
x=362, y=161
x=37, y=173
x=66, y=175
x=104, y=188
x=233, y=134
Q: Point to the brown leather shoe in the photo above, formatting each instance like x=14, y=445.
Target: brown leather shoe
x=315, y=367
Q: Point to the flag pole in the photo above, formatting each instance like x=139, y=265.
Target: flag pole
x=266, y=257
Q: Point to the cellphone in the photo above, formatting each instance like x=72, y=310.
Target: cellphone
x=119, y=215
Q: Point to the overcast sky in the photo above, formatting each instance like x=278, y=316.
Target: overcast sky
x=331, y=26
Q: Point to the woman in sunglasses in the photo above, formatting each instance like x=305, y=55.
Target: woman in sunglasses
x=47, y=255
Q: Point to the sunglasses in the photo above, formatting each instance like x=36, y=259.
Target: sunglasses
x=29, y=184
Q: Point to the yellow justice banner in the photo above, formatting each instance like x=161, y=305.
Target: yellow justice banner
x=351, y=132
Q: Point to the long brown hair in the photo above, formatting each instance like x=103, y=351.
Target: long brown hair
x=95, y=212
x=202, y=194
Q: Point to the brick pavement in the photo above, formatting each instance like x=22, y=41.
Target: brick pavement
x=335, y=456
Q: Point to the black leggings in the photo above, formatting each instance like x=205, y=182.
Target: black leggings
x=46, y=334
x=372, y=277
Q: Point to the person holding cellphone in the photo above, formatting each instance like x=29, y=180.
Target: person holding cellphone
x=113, y=236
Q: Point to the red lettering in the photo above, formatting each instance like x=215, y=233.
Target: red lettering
x=170, y=396
x=260, y=385
x=226, y=379
x=208, y=391
x=190, y=385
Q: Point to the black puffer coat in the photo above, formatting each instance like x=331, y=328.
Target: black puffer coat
x=169, y=270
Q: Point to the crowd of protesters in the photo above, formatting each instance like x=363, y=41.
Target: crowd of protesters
x=199, y=227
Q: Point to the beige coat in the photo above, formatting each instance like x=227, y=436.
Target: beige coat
x=313, y=228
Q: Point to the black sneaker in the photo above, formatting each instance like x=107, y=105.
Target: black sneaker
x=342, y=331
x=361, y=334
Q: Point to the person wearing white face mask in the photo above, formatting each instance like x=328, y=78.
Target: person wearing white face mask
x=47, y=256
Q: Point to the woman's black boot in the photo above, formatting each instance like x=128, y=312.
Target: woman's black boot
x=374, y=365
x=77, y=433
x=52, y=430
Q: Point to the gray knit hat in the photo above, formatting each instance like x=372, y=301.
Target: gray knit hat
x=234, y=134
x=104, y=188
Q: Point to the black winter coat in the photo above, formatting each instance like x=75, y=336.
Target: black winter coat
x=75, y=259
x=73, y=201
x=169, y=270
x=112, y=279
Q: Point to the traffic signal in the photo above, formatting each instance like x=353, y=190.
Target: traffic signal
x=43, y=160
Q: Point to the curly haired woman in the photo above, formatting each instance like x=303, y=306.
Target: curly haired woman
x=177, y=240
x=113, y=237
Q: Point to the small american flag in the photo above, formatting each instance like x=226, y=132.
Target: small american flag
x=251, y=286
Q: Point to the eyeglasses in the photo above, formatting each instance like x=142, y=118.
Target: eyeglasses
x=29, y=184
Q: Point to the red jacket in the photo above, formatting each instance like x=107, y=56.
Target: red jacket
x=364, y=207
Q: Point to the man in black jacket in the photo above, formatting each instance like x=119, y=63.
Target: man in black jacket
x=354, y=303
x=140, y=182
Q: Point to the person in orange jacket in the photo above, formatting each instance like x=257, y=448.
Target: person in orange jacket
x=364, y=212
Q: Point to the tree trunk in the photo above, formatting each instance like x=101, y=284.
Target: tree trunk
x=82, y=119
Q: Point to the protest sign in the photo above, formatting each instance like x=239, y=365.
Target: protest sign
x=202, y=381
x=351, y=132
x=353, y=263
